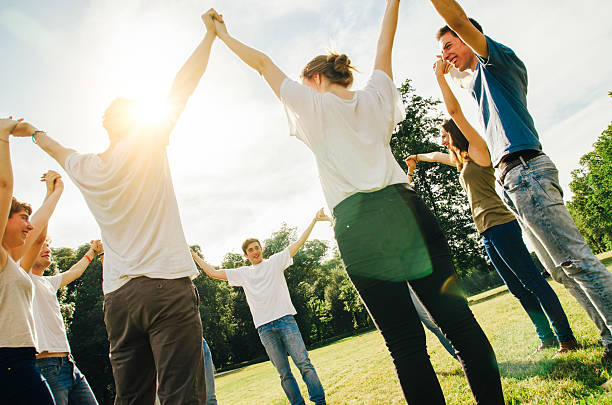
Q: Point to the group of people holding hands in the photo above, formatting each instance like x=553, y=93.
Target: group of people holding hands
x=391, y=244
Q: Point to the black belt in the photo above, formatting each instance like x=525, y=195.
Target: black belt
x=514, y=159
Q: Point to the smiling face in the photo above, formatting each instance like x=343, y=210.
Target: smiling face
x=17, y=228
x=456, y=52
x=254, y=253
x=43, y=260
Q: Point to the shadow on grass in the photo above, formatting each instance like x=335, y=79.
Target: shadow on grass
x=586, y=372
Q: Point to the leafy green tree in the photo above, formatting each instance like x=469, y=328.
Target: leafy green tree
x=438, y=184
x=591, y=206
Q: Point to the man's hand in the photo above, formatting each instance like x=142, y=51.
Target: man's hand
x=97, y=247
x=24, y=129
x=321, y=216
x=7, y=126
x=209, y=20
x=411, y=161
x=53, y=181
x=441, y=67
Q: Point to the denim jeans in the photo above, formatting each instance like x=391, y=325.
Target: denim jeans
x=20, y=381
x=209, y=367
x=510, y=257
x=572, y=287
x=431, y=325
x=532, y=191
x=282, y=337
x=67, y=383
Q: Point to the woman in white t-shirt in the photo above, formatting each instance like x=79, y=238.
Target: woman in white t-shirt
x=20, y=380
x=385, y=233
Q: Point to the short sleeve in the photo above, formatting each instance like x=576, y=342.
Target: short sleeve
x=502, y=60
x=387, y=95
x=55, y=280
x=235, y=276
x=79, y=166
x=301, y=104
x=280, y=261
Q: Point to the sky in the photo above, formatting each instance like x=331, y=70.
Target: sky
x=236, y=171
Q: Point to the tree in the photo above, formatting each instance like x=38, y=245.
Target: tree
x=438, y=184
x=591, y=206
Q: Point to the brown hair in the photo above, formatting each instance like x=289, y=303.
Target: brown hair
x=336, y=68
x=247, y=242
x=446, y=29
x=459, y=144
x=18, y=206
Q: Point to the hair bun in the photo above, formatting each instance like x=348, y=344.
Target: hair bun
x=342, y=63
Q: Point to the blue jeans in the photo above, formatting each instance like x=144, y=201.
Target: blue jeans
x=209, y=368
x=431, y=325
x=20, y=381
x=510, y=257
x=532, y=191
x=67, y=383
x=282, y=337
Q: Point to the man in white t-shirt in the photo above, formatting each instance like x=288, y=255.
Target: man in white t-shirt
x=150, y=304
x=270, y=304
x=68, y=385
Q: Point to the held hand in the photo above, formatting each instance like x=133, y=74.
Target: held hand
x=441, y=67
x=411, y=161
x=7, y=125
x=96, y=245
x=53, y=181
x=321, y=216
x=209, y=20
x=24, y=129
x=220, y=26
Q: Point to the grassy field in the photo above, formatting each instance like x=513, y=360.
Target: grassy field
x=358, y=369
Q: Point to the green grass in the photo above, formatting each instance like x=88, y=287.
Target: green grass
x=358, y=369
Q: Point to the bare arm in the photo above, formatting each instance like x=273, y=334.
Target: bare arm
x=79, y=267
x=252, y=57
x=210, y=271
x=295, y=246
x=41, y=217
x=384, y=48
x=7, y=125
x=46, y=143
x=433, y=157
x=458, y=21
x=478, y=149
x=190, y=74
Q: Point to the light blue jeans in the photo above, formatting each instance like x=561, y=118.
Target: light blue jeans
x=532, y=191
x=67, y=383
x=209, y=367
x=282, y=337
x=431, y=325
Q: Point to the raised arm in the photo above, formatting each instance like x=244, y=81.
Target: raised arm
x=458, y=21
x=79, y=267
x=252, y=57
x=295, y=246
x=384, y=48
x=46, y=143
x=40, y=218
x=210, y=271
x=478, y=149
x=189, y=76
x=7, y=125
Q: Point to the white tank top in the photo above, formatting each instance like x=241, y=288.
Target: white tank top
x=16, y=318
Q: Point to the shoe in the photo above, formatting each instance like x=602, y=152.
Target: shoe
x=567, y=346
x=607, y=355
x=547, y=345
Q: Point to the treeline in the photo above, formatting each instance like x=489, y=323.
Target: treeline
x=327, y=304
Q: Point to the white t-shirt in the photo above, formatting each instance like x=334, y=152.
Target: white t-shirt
x=349, y=138
x=131, y=196
x=265, y=287
x=48, y=321
x=16, y=319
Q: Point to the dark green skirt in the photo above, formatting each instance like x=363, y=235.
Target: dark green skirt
x=379, y=236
